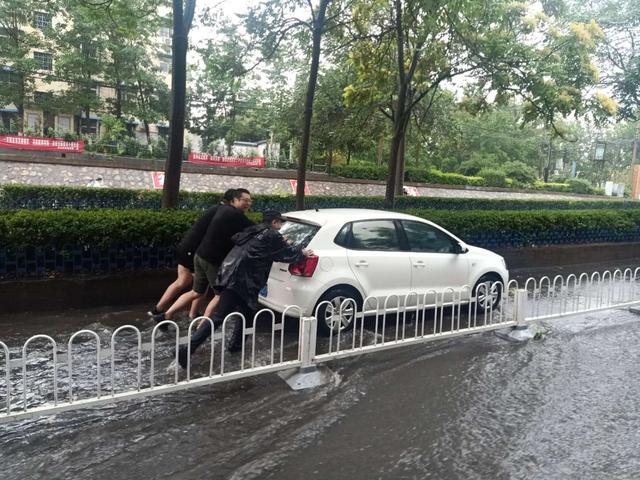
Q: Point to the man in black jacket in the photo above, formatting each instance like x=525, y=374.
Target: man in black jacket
x=243, y=273
x=214, y=246
x=186, y=251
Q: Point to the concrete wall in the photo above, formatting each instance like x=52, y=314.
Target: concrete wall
x=123, y=172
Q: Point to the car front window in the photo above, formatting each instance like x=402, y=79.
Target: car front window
x=423, y=237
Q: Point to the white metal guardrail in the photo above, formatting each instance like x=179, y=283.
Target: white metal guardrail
x=86, y=373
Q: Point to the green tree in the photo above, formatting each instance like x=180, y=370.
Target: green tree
x=219, y=92
x=18, y=68
x=139, y=89
x=408, y=49
x=271, y=23
x=619, y=53
x=79, y=60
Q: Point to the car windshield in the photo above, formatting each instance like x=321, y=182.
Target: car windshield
x=298, y=233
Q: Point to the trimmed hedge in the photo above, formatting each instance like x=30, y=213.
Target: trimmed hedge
x=487, y=177
x=49, y=197
x=104, y=228
x=517, y=229
x=411, y=174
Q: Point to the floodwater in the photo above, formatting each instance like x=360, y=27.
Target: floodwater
x=475, y=407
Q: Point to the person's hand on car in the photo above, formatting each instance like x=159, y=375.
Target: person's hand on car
x=307, y=252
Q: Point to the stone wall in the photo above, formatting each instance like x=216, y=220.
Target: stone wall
x=48, y=172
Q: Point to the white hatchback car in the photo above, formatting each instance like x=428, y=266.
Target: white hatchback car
x=372, y=253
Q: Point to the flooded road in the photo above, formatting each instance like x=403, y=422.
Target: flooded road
x=475, y=407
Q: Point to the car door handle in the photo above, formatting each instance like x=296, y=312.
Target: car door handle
x=362, y=263
x=419, y=265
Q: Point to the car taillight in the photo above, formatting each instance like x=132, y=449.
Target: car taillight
x=305, y=268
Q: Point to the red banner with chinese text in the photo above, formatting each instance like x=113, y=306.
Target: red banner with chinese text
x=42, y=144
x=206, y=159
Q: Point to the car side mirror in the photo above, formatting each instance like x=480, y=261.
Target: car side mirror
x=461, y=248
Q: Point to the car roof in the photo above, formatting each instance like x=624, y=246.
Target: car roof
x=324, y=216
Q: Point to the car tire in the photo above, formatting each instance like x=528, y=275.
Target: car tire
x=495, y=288
x=336, y=296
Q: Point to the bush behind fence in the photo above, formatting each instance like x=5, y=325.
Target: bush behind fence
x=52, y=198
x=41, y=243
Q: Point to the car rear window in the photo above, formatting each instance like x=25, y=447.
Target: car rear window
x=298, y=233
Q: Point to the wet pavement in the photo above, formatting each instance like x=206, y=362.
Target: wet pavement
x=474, y=407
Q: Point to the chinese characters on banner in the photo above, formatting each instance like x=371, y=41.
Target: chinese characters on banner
x=294, y=186
x=206, y=159
x=42, y=144
x=158, y=179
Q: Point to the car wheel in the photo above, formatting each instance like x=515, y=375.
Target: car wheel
x=488, y=295
x=330, y=319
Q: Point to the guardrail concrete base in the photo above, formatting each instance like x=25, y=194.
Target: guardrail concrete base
x=309, y=377
x=521, y=333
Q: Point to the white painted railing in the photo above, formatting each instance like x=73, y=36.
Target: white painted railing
x=88, y=374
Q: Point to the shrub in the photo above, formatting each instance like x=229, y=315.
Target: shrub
x=63, y=229
x=159, y=148
x=101, y=228
x=35, y=197
x=543, y=227
x=437, y=177
x=493, y=177
x=579, y=185
x=366, y=172
x=522, y=173
x=476, y=163
x=411, y=174
x=551, y=186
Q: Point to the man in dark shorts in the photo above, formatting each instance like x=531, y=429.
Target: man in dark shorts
x=214, y=246
x=185, y=251
x=242, y=274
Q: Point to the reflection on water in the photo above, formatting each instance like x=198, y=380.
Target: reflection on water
x=474, y=407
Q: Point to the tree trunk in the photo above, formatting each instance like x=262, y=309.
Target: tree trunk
x=318, y=25
x=147, y=132
x=173, y=164
x=20, y=106
x=399, y=120
x=87, y=113
x=547, y=168
x=389, y=196
x=380, y=151
x=400, y=166
x=118, y=99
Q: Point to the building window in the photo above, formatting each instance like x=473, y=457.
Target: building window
x=165, y=65
x=44, y=60
x=7, y=76
x=42, y=20
x=33, y=121
x=64, y=124
x=165, y=35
